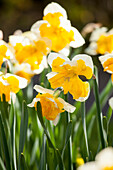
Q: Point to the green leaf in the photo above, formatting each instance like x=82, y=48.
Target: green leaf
x=2, y=167
x=99, y=112
x=23, y=129
x=68, y=134
x=42, y=165
x=4, y=144
x=109, y=114
x=52, y=149
x=23, y=165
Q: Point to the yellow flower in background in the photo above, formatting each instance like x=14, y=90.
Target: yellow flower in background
x=103, y=161
x=65, y=73
x=56, y=27
x=23, y=70
x=31, y=50
x=101, y=41
x=11, y=84
x=107, y=63
x=51, y=105
x=6, y=52
x=79, y=162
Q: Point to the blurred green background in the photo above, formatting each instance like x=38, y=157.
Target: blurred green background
x=21, y=14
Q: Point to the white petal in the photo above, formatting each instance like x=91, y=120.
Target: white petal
x=1, y=34
x=89, y=166
x=111, y=102
x=105, y=58
x=22, y=67
x=91, y=49
x=68, y=107
x=35, y=27
x=65, y=51
x=55, y=121
x=105, y=158
x=97, y=33
x=33, y=102
x=86, y=58
x=30, y=35
x=22, y=81
x=42, y=90
x=54, y=7
x=14, y=39
x=66, y=24
x=78, y=39
x=50, y=75
x=52, y=56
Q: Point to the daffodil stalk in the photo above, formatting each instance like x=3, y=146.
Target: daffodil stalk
x=84, y=126
x=69, y=145
x=99, y=113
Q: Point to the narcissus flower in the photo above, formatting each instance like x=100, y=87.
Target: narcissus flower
x=23, y=70
x=6, y=52
x=103, y=161
x=31, y=49
x=101, y=41
x=11, y=84
x=111, y=102
x=65, y=73
x=107, y=62
x=58, y=29
x=51, y=105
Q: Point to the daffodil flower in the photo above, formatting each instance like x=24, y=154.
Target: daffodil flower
x=103, y=161
x=107, y=63
x=23, y=70
x=31, y=49
x=11, y=84
x=65, y=73
x=56, y=27
x=6, y=52
x=51, y=105
x=101, y=41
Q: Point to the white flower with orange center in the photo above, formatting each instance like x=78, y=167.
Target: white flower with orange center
x=51, y=105
x=101, y=42
x=6, y=52
x=31, y=49
x=58, y=29
x=11, y=84
x=66, y=74
x=107, y=63
x=103, y=161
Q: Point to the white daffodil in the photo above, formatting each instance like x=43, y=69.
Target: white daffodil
x=6, y=53
x=56, y=27
x=51, y=105
x=31, y=49
x=11, y=84
x=107, y=63
x=101, y=41
x=65, y=73
x=103, y=161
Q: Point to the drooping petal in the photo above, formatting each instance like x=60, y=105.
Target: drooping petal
x=42, y=90
x=68, y=107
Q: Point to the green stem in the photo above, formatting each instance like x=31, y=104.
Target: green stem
x=84, y=126
x=69, y=145
x=99, y=113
